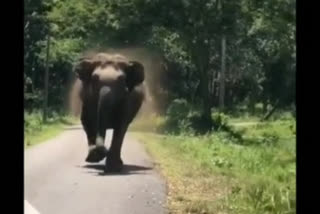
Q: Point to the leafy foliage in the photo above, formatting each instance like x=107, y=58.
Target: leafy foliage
x=187, y=33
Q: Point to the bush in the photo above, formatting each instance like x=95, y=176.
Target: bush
x=32, y=122
x=220, y=120
x=181, y=117
x=35, y=130
x=177, y=111
x=176, y=116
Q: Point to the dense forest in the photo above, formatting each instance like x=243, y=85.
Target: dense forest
x=222, y=55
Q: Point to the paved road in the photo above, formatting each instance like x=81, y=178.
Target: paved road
x=59, y=181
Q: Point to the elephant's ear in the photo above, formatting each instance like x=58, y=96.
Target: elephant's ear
x=135, y=74
x=84, y=68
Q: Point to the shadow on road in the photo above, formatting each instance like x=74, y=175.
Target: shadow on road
x=128, y=169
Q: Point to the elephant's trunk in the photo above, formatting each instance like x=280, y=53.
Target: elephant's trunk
x=104, y=103
x=108, y=102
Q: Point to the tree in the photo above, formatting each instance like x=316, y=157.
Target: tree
x=273, y=40
x=194, y=24
x=259, y=64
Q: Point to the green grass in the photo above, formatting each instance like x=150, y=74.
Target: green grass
x=248, y=119
x=218, y=174
x=35, y=131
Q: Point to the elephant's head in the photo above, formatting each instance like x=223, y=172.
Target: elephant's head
x=114, y=71
x=108, y=81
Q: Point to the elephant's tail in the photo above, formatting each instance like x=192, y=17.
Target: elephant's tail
x=75, y=102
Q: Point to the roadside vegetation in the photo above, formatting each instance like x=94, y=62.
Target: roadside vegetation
x=36, y=131
x=222, y=173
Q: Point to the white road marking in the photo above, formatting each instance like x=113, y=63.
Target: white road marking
x=28, y=209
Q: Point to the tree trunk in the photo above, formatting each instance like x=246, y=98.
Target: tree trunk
x=200, y=56
x=251, y=106
x=223, y=73
x=264, y=106
x=213, y=86
x=46, y=82
x=33, y=77
x=196, y=92
x=210, y=83
x=206, y=107
x=205, y=94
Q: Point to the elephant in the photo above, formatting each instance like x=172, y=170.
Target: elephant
x=111, y=90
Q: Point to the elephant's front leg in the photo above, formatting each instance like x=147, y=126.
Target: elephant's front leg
x=97, y=151
x=89, y=119
x=114, y=162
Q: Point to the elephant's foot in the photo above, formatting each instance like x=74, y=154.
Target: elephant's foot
x=96, y=154
x=113, y=165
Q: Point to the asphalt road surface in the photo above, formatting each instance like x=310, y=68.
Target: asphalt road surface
x=59, y=181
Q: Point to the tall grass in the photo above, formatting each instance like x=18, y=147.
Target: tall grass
x=35, y=130
x=259, y=171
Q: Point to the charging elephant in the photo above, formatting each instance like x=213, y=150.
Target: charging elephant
x=111, y=91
